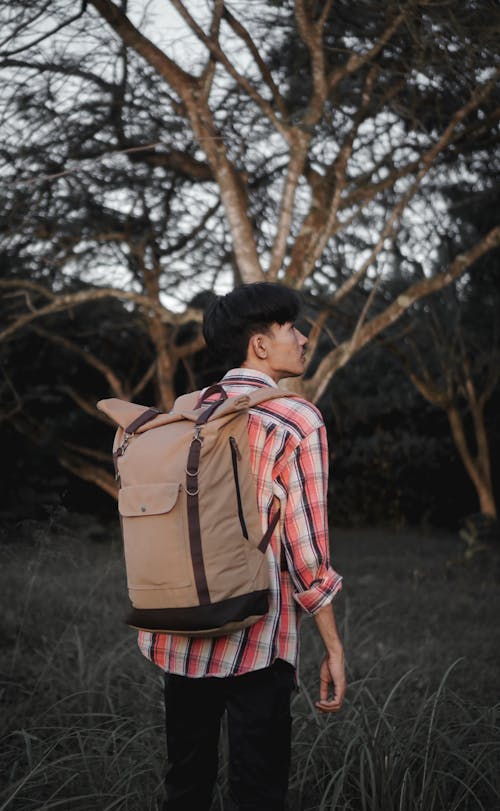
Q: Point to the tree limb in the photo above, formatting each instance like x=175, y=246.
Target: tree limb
x=88, y=406
x=111, y=378
x=221, y=57
x=94, y=474
x=298, y=153
x=338, y=357
x=66, y=301
x=356, y=61
x=181, y=81
x=230, y=181
x=244, y=35
x=48, y=34
x=426, y=161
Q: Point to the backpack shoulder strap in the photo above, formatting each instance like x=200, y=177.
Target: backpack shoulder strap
x=190, y=404
x=260, y=395
x=186, y=402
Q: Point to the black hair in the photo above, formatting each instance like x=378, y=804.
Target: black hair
x=230, y=321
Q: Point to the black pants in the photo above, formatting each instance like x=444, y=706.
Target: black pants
x=259, y=729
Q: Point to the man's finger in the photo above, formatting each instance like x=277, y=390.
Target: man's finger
x=333, y=705
x=323, y=689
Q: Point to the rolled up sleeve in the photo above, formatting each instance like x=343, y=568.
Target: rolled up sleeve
x=305, y=526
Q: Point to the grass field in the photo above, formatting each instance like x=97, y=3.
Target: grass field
x=82, y=718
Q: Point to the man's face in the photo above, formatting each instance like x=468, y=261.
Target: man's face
x=285, y=347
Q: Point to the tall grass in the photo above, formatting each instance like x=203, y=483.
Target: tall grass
x=386, y=752
x=82, y=718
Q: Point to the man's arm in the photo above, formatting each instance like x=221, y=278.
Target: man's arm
x=332, y=673
x=305, y=528
x=306, y=545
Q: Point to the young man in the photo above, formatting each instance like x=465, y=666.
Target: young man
x=250, y=674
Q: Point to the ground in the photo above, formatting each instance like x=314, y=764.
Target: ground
x=82, y=717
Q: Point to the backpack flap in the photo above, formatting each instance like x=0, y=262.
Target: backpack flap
x=147, y=499
x=121, y=412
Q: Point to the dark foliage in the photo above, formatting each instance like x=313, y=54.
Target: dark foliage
x=393, y=458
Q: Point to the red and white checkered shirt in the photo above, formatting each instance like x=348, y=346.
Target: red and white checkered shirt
x=289, y=456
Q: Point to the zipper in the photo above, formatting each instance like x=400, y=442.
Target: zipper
x=235, y=455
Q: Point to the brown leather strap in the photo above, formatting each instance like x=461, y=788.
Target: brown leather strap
x=207, y=412
x=269, y=531
x=143, y=418
x=193, y=517
x=216, y=388
x=116, y=456
x=193, y=464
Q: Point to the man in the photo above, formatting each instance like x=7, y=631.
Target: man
x=250, y=674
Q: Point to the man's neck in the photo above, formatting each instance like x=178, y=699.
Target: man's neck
x=262, y=367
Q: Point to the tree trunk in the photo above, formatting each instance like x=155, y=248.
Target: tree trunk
x=164, y=365
x=478, y=467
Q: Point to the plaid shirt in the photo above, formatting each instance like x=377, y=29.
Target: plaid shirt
x=289, y=457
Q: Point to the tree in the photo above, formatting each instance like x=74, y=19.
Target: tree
x=456, y=370
x=242, y=160
x=450, y=349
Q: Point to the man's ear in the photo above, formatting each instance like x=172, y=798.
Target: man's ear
x=257, y=346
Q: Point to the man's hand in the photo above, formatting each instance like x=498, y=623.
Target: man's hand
x=332, y=683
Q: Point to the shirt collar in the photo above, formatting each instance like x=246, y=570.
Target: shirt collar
x=248, y=377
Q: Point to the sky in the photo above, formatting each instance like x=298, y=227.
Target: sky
x=167, y=29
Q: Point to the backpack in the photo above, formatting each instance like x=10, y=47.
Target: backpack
x=193, y=543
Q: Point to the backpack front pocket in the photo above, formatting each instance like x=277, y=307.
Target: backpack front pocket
x=154, y=536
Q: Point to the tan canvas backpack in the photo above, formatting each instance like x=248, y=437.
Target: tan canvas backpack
x=193, y=543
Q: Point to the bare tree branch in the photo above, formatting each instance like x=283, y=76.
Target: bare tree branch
x=95, y=474
x=221, y=57
x=180, y=80
x=426, y=162
x=240, y=30
x=50, y=33
x=87, y=406
x=144, y=380
x=338, y=357
x=64, y=302
x=298, y=153
x=231, y=184
x=111, y=378
x=356, y=61
x=207, y=77
x=312, y=36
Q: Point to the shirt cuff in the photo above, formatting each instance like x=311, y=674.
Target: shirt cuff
x=321, y=592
